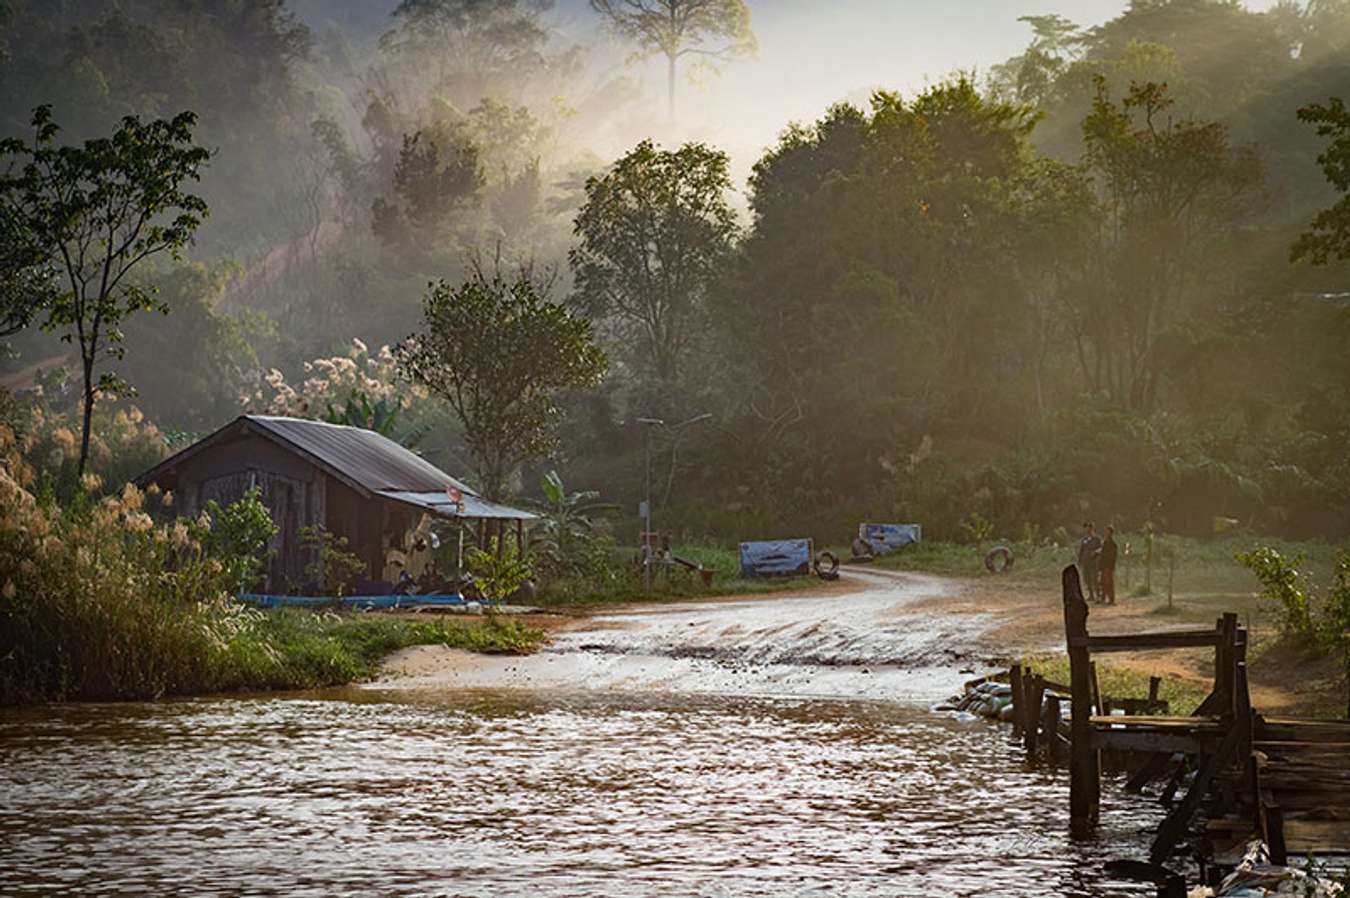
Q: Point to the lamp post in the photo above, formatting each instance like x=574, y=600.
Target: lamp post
x=652, y=424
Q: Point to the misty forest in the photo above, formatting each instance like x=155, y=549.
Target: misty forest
x=1105, y=276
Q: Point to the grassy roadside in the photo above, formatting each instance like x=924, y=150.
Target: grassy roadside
x=1188, y=565
x=297, y=649
x=1289, y=675
x=621, y=581
x=1183, y=695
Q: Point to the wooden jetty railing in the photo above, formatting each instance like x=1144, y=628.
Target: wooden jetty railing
x=1285, y=780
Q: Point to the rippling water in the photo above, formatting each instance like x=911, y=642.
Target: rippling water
x=535, y=793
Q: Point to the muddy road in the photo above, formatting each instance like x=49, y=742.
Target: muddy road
x=868, y=641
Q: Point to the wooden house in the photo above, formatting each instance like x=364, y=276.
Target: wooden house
x=355, y=483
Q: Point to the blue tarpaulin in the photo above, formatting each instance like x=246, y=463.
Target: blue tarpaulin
x=362, y=602
x=776, y=558
x=884, y=538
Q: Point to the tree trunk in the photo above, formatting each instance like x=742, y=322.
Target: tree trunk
x=88, y=415
x=670, y=86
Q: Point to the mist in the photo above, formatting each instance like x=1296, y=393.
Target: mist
x=360, y=151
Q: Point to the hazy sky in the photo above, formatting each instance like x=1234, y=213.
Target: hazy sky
x=816, y=52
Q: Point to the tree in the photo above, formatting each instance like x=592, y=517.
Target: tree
x=1329, y=236
x=1171, y=190
x=499, y=353
x=436, y=173
x=654, y=233
x=26, y=274
x=100, y=209
x=715, y=30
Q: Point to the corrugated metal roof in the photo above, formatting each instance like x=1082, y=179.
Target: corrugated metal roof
x=373, y=461
x=471, y=507
x=364, y=460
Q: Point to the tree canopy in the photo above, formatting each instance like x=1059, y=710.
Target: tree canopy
x=500, y=355
x=710, y=30
x=99, y=210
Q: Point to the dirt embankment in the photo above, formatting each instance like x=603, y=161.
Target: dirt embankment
x=1285, y=678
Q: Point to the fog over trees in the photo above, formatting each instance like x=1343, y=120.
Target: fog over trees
x=1106, y=275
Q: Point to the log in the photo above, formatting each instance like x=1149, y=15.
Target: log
x=1143, y=642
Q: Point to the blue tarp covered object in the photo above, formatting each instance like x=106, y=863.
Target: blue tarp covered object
x=884, y=538
x=776, y=558
x=267, y=601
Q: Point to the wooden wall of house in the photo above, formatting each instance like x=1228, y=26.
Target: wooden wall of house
x=294, y=491
x=371, y=526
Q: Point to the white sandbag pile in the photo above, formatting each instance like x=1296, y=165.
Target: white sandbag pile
x=988, y=699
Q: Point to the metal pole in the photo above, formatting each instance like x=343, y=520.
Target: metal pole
x=647, y=527
x=647, y=523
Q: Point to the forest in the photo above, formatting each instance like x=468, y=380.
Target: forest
x=1104, y=278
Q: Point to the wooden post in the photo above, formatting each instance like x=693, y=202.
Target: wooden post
x=1097, y=701
x=1018, y=699
x=1035, y=698
x=1084, y=770
x=520, y=539
x=1227, y=640
x=1050, y=720
x=1154, y=684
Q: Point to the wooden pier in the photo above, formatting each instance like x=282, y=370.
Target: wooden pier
x=1229, y=773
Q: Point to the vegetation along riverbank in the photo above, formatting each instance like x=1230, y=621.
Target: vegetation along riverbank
x=115, y=598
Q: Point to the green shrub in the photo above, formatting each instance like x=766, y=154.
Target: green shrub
x=1282, y=582
x=498, y=569
x=238, y=535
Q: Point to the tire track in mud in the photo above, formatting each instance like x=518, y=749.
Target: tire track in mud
x=866, y=643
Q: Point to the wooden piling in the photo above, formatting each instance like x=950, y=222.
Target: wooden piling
x=1018, y=699
x=1035, y=697
x=1084, y=767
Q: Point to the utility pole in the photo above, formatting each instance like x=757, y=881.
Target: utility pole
x=646, y=510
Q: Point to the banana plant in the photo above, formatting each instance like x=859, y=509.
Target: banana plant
x=566, y=518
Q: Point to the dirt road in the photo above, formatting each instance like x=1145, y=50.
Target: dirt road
x=878, y=638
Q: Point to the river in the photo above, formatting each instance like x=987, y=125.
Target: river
x=778, y=746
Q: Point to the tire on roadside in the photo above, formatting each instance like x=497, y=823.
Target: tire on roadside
x=999, y=560
x=826, y=566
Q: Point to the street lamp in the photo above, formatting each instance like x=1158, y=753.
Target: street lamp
x=652, y=424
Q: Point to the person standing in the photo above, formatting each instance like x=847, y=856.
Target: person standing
x=1109, y=552
x=1089, y=550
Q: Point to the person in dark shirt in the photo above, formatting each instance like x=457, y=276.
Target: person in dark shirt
x=1089, y=548
x=1107, y=562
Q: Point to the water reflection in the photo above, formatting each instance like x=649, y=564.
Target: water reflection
x=538, y=793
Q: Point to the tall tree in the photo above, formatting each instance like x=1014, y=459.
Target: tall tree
x=654, y=232
x=1171, y=191
x=712, y=30
x=100, y=209
x=500, y=353
x=1329, y=236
